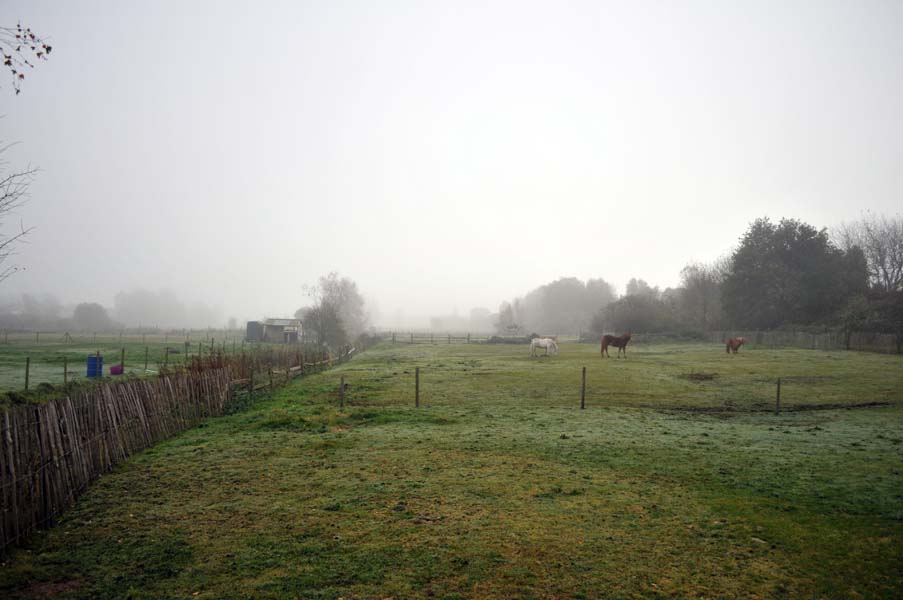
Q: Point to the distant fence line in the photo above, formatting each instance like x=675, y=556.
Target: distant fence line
x=837, y=340
x=51, y=452
x=10, y=336
x=409, y=337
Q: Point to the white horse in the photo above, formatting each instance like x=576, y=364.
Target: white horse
x=549, y=344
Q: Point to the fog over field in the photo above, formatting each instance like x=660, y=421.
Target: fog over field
x=444, y=156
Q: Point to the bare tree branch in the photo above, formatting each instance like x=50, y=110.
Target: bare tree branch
x=13, y=194
x=20, y=46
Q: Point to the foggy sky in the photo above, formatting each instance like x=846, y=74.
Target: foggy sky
x=442, y=155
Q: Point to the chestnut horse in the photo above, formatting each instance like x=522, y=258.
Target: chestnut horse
x=733, y=344
x=619, y=342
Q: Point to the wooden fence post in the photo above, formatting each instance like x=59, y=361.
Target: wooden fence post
x=27, y=369
x=146, y=352
x=583, y=390
x=270, y=373
x=166, y=356
x=122, y=361
x=65, y=372
x=777, y=400
x=417, y=387
x=342, y=393
x=468, y=338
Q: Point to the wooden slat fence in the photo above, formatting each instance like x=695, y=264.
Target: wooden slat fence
x=51, y=452
x=838, y=340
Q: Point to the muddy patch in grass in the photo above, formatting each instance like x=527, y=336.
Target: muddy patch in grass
x=700, y=376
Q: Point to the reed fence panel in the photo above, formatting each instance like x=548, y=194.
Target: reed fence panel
x=51, y=452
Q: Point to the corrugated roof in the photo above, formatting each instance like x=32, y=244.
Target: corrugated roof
x=283, y=322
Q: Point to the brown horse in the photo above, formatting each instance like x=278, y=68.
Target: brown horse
x=619, y=342
x=733, y=344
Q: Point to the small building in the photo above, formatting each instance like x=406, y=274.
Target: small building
x=254, y=332
x=274, y=331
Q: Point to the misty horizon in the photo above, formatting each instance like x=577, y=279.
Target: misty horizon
x=444, y=158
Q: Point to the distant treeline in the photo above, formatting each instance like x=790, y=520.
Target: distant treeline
x=785, y=275
x=137, y=308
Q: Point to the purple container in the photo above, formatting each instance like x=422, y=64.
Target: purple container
x=115, y=369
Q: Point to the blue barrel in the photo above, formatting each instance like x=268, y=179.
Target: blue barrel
x=95, y=365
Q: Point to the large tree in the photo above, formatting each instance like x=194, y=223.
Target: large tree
x=566, y=305
x=698, y=300
x=323, y=322
x=789, y=272
x=639, y=287
x=90, y=316
x=881, y=240
x=338, y=312
x=634, y=313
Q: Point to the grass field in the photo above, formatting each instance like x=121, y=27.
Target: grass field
x=48, y=351
x=499, y=486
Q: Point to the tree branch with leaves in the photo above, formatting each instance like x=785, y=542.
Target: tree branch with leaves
x=21, y=48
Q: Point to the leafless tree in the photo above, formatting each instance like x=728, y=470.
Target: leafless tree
x=338, y=314
x=13, y=194
x=700, y=296
x=881, y=240
x=20, y=46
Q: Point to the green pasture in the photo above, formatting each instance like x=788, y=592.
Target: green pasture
x=50, y=350
x=499, y=486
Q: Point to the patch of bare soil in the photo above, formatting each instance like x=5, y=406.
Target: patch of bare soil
x=701, y=376
x=51, y=589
